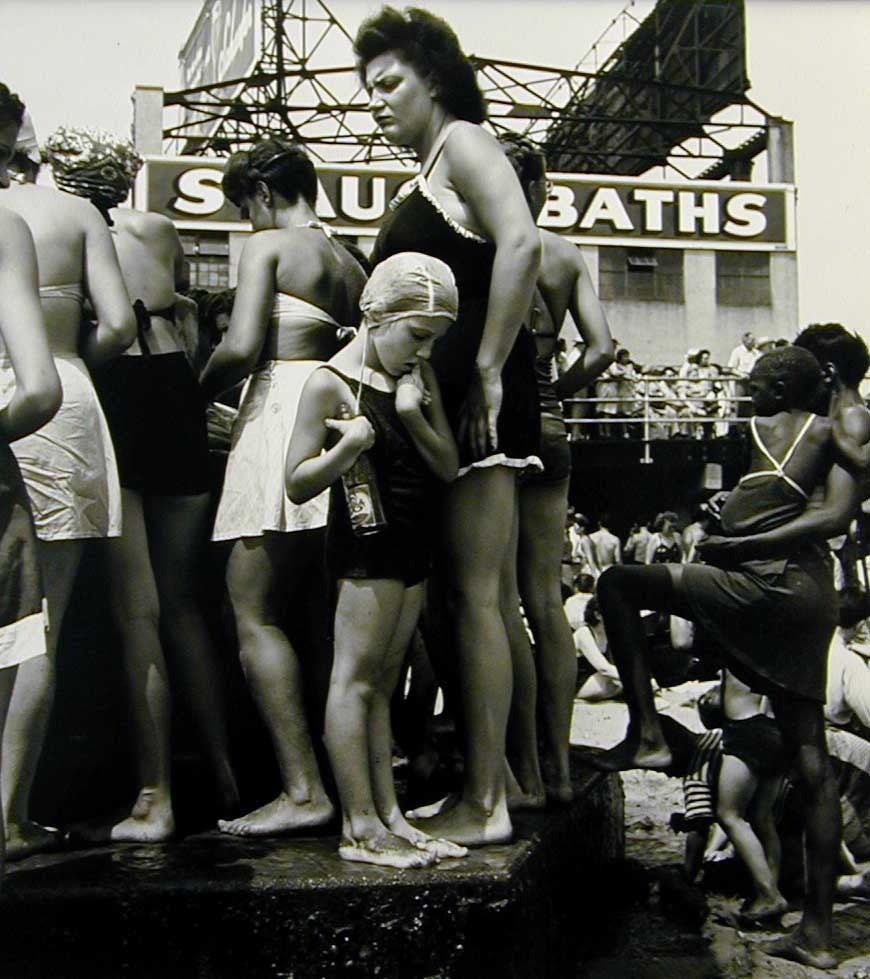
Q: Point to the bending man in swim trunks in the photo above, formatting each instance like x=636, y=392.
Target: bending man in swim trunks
x=69, y=464
x=772, y=610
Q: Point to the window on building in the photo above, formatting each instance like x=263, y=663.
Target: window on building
x=640, y=274
x=208, y=260
x=743, y=278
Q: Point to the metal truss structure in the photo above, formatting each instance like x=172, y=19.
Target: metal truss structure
x=667, y=91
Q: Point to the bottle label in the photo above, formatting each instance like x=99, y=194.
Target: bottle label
x=360, y=507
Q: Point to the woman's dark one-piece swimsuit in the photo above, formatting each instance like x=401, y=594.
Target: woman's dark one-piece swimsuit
x=417, y=224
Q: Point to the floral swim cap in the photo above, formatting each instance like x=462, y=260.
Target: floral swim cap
x=92, y=163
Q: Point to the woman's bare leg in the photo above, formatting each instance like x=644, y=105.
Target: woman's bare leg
x=262, y=573
x=7, y=680
x=136, y=613
x=622, y=593
x=525, y=786
x=177, y=527
x=478, y=523
x=30, y=707
x=368, y=623
x=543, y=512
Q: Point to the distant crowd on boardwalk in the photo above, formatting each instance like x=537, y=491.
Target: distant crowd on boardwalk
x=395, y=487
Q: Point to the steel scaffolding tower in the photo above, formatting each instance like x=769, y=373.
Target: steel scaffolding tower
x=671, y=93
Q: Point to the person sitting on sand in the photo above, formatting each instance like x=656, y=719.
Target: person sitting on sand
x=408, y=303
x=772, y=610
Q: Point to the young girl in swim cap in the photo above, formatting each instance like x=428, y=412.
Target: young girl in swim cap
x=400, y=424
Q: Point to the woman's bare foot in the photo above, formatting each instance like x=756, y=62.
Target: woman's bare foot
x=441, y=849
x=150, y=820
x=433, y=808
x=519, y=798
x=467, y=825
x=28, y=838
x=385, y=850
x=632, y=754
x=281, y=815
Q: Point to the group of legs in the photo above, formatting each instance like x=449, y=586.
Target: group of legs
x=623, y=592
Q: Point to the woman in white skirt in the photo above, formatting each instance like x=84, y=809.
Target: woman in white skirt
x=296, y=288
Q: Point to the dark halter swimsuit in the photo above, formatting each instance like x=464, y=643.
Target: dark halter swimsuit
x=417, y=223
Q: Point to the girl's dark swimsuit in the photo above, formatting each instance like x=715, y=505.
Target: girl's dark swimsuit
x=409, y=492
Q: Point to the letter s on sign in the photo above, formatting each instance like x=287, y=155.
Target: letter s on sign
x=746, y=212
x=199, y=192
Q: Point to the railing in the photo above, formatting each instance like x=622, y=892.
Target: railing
x=658, y=410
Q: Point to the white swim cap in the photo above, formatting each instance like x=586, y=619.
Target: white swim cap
x=409, y=284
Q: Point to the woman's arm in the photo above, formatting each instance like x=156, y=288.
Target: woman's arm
x=426, y=421
x=115, y=326
x=236, y=355
x=37, y=393
x=483, y=178
x=592, y=326
x=308, y=470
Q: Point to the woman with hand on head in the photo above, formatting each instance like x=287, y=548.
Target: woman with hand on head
x=466, y=208
x=296, y=288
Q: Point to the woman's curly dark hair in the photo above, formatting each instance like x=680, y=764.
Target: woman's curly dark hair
x=428, y=44
x=11, y=107
x=283, y=166
x=833, y=343
x=526, y=157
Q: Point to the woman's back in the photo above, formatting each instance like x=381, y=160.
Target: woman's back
x=312, y=267
x=791, y=454
x=57, y=222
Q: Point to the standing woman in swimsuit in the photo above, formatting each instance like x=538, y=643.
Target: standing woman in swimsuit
x=157, y=420
x=36, y=397
x=564, y=287
x=296, y=287
x=467, y=208
x=69, y=464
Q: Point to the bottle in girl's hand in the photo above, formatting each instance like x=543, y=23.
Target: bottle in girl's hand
x=361, y=492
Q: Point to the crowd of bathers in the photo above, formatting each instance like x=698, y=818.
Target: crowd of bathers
x=395, y=489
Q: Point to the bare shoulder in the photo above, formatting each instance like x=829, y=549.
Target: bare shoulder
x=13, y=229
x=856, y=422
x=325, y=388
x=144, y=224
x=560, y=255
x=468, y=140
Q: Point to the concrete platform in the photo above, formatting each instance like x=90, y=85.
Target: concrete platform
x=214, y=907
